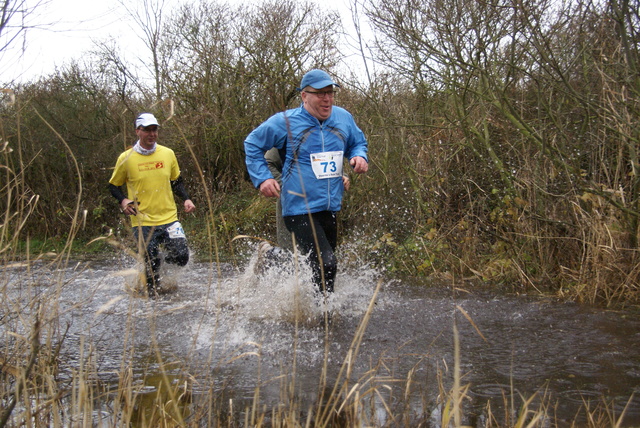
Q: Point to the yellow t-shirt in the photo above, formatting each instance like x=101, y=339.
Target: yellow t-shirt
x=148, y=180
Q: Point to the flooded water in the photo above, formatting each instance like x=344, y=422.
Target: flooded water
x=245, y=330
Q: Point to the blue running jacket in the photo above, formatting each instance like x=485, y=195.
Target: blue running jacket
x=302, y=140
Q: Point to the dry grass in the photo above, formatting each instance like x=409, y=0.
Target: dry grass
x=34, y=393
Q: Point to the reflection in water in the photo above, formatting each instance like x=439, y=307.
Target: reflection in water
x=250, y=336
x=159, y=399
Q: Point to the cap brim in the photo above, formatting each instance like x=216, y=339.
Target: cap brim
x=323, y=84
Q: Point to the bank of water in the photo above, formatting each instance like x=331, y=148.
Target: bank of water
x=237, y=331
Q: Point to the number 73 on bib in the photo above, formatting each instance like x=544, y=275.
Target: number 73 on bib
x=327, y=164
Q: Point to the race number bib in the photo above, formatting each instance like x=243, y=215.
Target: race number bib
x=327, y=164
x=176, y=231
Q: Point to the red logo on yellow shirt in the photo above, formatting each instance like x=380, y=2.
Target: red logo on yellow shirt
x=149, y=166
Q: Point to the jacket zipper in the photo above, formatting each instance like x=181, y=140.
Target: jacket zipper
x=328, y=181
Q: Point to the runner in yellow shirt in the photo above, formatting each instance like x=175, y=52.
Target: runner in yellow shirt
x=152, y=175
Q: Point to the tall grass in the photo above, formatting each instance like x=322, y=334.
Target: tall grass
x=38, y=388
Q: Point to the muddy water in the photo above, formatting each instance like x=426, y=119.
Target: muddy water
x=243, y=330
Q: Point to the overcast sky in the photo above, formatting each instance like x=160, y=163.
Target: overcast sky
x=62, y=30
x=65, y=29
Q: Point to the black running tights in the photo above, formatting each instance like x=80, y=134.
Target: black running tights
x=325, y=229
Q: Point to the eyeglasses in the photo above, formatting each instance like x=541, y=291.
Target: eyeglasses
x=151, y=128
x=323, y=94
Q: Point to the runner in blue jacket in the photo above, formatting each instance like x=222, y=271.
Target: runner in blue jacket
x=313, y=139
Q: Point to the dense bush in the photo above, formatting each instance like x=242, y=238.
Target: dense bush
x=503, y=135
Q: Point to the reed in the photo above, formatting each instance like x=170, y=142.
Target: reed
x=39, y=388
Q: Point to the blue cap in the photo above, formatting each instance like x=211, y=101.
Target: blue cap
x=317, y=79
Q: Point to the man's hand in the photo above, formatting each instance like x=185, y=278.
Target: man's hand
x=359, y=165
x=270, y=188
x=346, y=181
x=189, y=206
x=128, y=207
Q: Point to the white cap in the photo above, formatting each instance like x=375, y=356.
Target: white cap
x=146, y=119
